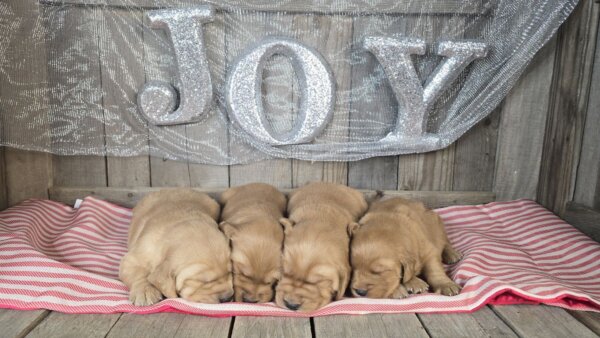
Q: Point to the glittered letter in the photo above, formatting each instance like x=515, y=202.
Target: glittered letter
x=395, y=57
x=157, y=99
x=317, y=92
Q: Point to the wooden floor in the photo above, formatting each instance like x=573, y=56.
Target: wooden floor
x=493, y=321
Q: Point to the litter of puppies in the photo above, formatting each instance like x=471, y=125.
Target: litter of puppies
x=323, y=242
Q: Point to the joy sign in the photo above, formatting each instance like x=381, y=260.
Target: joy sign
x=157, y=100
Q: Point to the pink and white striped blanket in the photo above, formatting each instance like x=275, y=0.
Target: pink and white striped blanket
x=63, y=259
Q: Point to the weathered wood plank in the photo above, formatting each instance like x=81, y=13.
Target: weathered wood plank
x=122, y=69
x=19, y=323
x=482, y=323
x=169, y=325
x=68, y=325
x=584, y=219
x=375, y=100
x=329, y=6
x=432, y=170
x=541, y=321
x=3, y=192
x=587, y=185
x=277, y=93
x=130, y=196
x=374, y=325
x=521, y=132
x=475, y=156
x=159, y=65
x=589, y=319
x=26, y=173
x=204, y=175
x=270, y=327
x=329, y=34
x=77, y=28
x=568, y=105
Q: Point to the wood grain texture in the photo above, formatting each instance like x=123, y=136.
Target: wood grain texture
x=77, y=28
x=242, y=31
x=583, y=218
x=159, y=65
x=271, y=327
x=329, y=34
x=482, y=323
x=130, y=196
x=204, y=175
x=169, y=325
x=122, y=75
x=475, y=156
x=541, y=321
x=19, y=323
x=26, y=174
x=568, y=105
x=589, y=319
x=521, y=131
x=374, y=100
x=58, y=324
x=328, y=6
x=3, y=192
x=374, y=325
x=587, y=185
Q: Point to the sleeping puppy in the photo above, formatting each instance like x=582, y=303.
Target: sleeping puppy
x=395, y=242
x=316, y=267
x=176, y=249
x=250, y=219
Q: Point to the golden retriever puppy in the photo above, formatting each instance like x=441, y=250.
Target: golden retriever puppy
x=250, y=219
x=395, y=242
x=175, y=249
x=316, y=268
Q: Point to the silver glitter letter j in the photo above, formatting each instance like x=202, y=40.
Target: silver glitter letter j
x=157, y=100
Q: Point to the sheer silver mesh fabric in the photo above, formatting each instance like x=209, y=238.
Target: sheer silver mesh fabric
x=70, y=72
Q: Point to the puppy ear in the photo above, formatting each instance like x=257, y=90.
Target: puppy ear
x=287, y=225
x=228, y=229
x=408, y=269
x=163, y=279
x=352, y=227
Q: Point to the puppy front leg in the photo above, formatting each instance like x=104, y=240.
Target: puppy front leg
x=437, y=278
x=135, y=276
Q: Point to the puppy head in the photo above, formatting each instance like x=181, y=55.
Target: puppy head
x=256, y=261
x=312, y=277
x=376, y=271
x=205, y=283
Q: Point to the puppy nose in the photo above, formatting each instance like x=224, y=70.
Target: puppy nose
x=225, y=299
x=361, y=292
x=249, y=300
x=291, y=306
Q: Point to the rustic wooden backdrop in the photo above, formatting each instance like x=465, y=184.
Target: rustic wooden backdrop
x=540, y=143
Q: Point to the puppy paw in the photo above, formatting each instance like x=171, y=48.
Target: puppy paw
x=416, y=285
x=448, y=289
x=400, y=293
x=145, y=295
x=450, y=255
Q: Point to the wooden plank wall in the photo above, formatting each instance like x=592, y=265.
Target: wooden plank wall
x=489, y=157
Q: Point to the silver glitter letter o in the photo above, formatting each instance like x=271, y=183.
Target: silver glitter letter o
x=317, y=92
x=157, y=99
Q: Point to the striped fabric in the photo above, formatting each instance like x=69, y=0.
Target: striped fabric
x=63, y=259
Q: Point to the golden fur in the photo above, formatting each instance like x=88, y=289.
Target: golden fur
x=316, y=267
x=176, y=249
x=250, y=219
x=396, y=241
